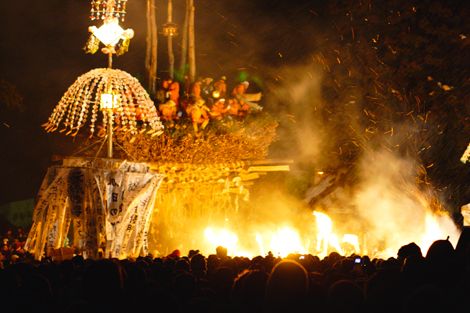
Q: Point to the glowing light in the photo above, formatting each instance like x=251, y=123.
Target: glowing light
x=320, y=234
x=432, y=232
x=327, y=239
x=222, y=237
x=353, y=240
x=170, y=30
x=465, y=210
x=215, y=94
x=334, y=243
x=259, y=240
x=324, y=229
x=282, y=242
x=466, y=155
x=111, y=32
x=285, y=241
x=108, y=101
x=437, y=227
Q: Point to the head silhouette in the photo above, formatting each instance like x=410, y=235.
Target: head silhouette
x=287, y=287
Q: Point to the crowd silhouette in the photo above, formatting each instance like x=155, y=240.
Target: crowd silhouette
x=204, y=100
x=410, y=282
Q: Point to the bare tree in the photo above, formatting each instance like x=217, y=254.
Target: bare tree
x=152, y=43
x=171, y=56
x=184, y=41
x=192, y=43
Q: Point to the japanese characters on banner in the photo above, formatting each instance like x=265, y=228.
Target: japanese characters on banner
x=51, y=197
x=99, y=205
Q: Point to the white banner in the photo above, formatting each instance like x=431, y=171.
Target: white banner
x=108, y=208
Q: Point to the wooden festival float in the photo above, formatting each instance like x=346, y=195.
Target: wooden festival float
x=157, y=178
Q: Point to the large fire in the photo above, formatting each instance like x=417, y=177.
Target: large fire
x=287, y=239
x=380, y=212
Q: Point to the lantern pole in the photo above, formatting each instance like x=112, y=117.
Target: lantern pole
x=110, y=134
x=110, y=60
x=110, y=114
x=108, y=103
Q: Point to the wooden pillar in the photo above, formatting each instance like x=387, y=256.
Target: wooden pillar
x=171, y=56
x=151, y=52
x=192, y=43
x=184, y=42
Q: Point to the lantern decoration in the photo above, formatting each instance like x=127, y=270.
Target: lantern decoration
x=110, y=33
x=99, y=94
x=105, y=9
x=170, y=29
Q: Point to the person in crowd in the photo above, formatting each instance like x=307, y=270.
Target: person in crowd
x=287, y=287
x=246, y=101
x=204, y=100
x=218, y=109
x=220, y=88
x=170, y=107
x=207, y=88
x=437, y=282
x=196, y=108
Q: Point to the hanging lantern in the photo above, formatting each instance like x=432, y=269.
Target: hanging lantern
x=108, y=101
x=111, y=90
x=104, y=9
x=110, y=33
x=170, y=30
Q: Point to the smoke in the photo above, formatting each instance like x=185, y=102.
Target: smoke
x=296, y=101
x=390, y=205
x=394, y=209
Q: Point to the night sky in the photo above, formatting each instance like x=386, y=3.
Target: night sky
x=41, y=55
